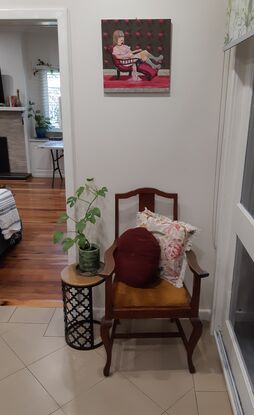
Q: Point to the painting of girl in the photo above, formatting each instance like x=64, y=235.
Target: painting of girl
x=134, y=57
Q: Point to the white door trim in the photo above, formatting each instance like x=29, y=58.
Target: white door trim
x=223, y=218
x=234, y=220
x=61, y=15
x=235, y=132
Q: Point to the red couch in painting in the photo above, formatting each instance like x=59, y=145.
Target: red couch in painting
x=125, y=65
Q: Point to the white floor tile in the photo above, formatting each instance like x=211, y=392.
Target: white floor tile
x=209, y=382
x=125, y=355
x=185, y=406
x=29, y=344
x=32, y=315
x=170, y=353
x=211, y=403
x=67, y=372
x=6, y=327
x=21, y=394
x=113, y=396
x=158, y=354
x=163, y=387
x=5, y=313
x=56, y=325
x=154, y=379
x=205, y=356
x=9, y=362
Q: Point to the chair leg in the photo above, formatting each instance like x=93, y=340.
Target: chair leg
x=118, y=74
x=108, y=343
x=194, y=338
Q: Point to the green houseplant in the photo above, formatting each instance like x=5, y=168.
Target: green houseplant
x=42, y=124
x=89, y=253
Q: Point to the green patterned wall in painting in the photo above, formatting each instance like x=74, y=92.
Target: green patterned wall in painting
x=240, y=21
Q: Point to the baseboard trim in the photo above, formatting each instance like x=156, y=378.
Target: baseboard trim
x=205, y=314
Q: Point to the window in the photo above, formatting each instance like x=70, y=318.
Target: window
x=51, y=97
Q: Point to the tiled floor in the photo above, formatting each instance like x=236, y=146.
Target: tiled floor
x=40, y=375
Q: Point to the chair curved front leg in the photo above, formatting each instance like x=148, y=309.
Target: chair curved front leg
x=106, y=322
x=194, y=338
x=107, y=341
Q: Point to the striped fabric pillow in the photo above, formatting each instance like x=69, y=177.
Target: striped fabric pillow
x=10, y=222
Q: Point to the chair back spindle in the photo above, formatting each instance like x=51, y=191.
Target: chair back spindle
x=146, y=200
x=146, y=196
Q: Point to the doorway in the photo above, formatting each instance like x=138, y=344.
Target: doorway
x=40, y=213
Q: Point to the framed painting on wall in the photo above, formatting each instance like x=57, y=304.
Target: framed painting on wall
x=136, y=55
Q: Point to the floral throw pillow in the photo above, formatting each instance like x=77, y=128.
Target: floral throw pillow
x=175, y=238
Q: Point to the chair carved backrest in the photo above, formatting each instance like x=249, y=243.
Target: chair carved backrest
x=146, y=197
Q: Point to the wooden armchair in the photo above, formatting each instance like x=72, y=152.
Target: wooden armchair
x=164, y=301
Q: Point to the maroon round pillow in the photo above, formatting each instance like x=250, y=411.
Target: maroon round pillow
x=137, y=257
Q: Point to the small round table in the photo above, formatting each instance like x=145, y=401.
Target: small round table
x=78, y=308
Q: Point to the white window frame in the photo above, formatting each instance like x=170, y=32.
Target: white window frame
x=45, y=97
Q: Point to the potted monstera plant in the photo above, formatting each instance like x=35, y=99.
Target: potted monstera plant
x=89, y=253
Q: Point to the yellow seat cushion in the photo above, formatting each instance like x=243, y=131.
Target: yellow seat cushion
x=159, y=294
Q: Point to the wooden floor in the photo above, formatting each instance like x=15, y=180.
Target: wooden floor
x=30, y=272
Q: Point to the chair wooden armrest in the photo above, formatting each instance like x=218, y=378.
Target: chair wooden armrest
x=193, y=265
x=109, y=261
x=198, y=273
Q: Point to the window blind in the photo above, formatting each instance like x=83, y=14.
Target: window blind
x=51, y=96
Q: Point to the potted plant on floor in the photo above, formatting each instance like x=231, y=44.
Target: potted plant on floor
x=89, y=253
x=42, y=124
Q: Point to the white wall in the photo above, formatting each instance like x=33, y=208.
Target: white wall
x=11, y=63
x=161, y=141
x=41, y=44
x=19, y=53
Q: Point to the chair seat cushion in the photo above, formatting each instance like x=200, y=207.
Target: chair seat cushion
x=158, y=294
x=137, y=257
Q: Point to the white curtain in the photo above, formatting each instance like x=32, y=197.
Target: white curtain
x=240, y=22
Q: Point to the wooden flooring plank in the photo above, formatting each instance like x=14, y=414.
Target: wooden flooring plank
x=30, y=272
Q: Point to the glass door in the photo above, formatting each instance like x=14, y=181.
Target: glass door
x=235, y=266
x=242, y=308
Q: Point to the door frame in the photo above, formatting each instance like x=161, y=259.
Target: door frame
x=235, y=126
x=63, y=26
x=230, y=183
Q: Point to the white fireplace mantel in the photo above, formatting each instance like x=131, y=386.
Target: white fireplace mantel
x=17, y=109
